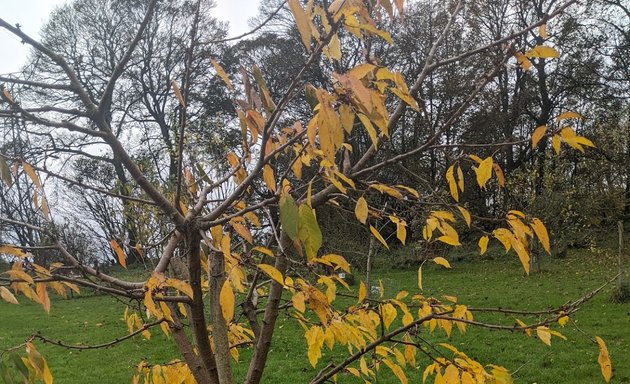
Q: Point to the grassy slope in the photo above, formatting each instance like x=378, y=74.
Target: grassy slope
x=487, y=283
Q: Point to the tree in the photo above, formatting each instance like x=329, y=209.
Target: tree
x=248, y=227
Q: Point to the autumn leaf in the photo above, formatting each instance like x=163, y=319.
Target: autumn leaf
x=120, y=254
x=42, y=294
x=7, y=296
x=542, y=52
x=226, y=300
x=484, y=172
x=30, y=171
x=362, y=292
x=420, y=277
x=269, y=177
x=543, y=334
x=538, y=134
x=541, y=232
x=483, y=244
x=604, y=359
x=569, y=115
x=542, y=31
x=222, y=74
x=465, y=215
x=298, y=301
x=361, y=210
x=398, y=372
x=13, y=251
x=378, y=236
x=452, y=184
x=271, y=272
x=302, y=22
x=442, y=261
x=178, y=93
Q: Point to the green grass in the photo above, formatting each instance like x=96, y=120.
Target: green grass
x=479, y=283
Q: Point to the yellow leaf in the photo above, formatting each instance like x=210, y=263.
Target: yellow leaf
x=522, y=253
x=298, y=301
x=451, y=374
x=542, y=52
x=541, y=232
x=401, y=231
x=302, y=22
x=389, y=313
x=242, y=231
x=370, y=129
x=362, y=292
x=563, y=320
x=483, y=244
x=39, y=364
x=178, y=93
x=452, y=184
x=484, y=172
x=460, y=178
x=420, y=277
x=542, y=31
x=400, y=374
x=337, y=260
x=378, y=236
x=523, y=61
x=271, y=272
x=527, y=330
x=180, y=285
x=226, y=300
x=538, y=134
x=222, y=74
x=555, y=143
x=7, y=296
x=122, y=258
x=42, y=294
x=569, y=115
x=334, y=48
x=604, y=359
x=30, y=171
x=465, y=215
x=361, y=210
x=10, y=250
x=269, y=178
x=442, y=261
x=450, y=240
x=543, y=334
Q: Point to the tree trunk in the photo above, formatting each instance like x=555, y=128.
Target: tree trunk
x=220, y=340
x=192, y=240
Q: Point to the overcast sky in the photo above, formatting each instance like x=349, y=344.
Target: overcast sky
x=31, y=15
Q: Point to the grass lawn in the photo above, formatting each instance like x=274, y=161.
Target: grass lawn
x=480, y=283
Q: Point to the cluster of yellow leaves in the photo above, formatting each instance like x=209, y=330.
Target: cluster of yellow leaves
x=462, y=369
x=441, y=221
x=564, y=134
x=21, y=281
x=518, y=236
x=174, y=372
x=157, y=288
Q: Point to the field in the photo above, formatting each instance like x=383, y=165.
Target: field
x=486, y=282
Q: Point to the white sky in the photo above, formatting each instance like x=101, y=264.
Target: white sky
x=31, y=15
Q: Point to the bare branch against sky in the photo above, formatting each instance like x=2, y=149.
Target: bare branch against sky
x=32, y=14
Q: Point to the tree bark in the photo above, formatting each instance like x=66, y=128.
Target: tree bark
x=197, y=318
x=219, y=326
